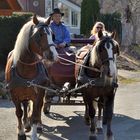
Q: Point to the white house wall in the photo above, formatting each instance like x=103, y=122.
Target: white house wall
x=71, y=7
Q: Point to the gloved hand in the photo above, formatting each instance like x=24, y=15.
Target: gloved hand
x=62, y=45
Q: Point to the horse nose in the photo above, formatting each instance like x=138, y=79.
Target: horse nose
x=54, y=53
x=110, y=75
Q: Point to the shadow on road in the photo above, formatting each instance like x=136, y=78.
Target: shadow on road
x=124, y=127
x=4, y=103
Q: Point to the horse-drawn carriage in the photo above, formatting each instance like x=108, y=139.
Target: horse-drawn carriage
x=62, y=76
x=92, y=75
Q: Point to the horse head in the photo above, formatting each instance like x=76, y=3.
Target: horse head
x=35, y=41
x=41, y=39
x=103, y=54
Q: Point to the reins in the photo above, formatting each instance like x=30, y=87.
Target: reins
x=94, y=69
x=30, y=64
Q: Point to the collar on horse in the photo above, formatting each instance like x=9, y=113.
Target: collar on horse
x=17, y=81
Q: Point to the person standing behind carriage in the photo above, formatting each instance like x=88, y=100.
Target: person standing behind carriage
x=98, y=26
x=61, y=33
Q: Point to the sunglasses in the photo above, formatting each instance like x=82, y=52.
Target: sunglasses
x=99, y=27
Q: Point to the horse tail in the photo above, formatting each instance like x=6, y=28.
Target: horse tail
x=8, y=66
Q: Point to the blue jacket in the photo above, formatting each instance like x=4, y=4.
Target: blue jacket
x=61, y=33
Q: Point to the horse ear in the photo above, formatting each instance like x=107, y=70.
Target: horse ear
x=48, y=20
x=100, y=34
x=35, y=20
x=113, y=34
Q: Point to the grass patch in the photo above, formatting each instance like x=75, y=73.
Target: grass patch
x=127, y=80
x=137, y=49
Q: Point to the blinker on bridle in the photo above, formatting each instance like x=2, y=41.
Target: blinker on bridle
x=45, y=27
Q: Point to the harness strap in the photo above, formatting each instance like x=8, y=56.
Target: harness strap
x=30, y=64
x=18, y=81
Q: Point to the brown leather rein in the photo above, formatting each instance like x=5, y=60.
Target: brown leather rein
x=72, y=62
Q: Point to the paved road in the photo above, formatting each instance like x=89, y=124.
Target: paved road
x=66, y=122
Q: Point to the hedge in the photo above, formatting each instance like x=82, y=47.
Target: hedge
x=90, y=13
x=112, y=23
x=9, y=29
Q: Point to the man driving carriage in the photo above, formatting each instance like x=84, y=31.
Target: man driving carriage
x=62, y=35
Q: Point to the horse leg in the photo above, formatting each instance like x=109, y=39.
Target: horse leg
x=34, y=120
x=26, y=117
x=92, y=112
x=86, y=115
x=19, y=113
x=47, y=104
x=36, y=115
x=108, y=113
x=99, y=118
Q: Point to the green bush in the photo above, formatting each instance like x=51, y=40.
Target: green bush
x=9, y=28
x=113, y=23
x=90, y=13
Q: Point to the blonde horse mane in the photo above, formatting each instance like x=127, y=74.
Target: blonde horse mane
x=94, y=59
x=22, y=41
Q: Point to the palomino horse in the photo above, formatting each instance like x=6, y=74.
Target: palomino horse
x=34, y=44
x=103, y=73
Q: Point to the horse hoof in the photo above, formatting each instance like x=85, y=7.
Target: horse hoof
x=109, y=134
x=28, y=129
x=92, y=137
x=110, y=137
x=100, y=130
x=21, y=137
x=39, y=130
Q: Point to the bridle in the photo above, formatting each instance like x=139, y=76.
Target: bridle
x=40, y=25
x=107, y=40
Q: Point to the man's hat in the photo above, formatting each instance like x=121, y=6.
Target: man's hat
x=56, y=11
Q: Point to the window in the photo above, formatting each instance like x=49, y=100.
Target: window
x=48, y=7
x=74, y=19
x=71, y=17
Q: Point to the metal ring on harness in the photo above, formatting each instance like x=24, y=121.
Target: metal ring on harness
x=92, y=83
x=29, y=84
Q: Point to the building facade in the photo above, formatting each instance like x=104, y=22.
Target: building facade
x=7, y=7
x=43, y=8
x=71, y=12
